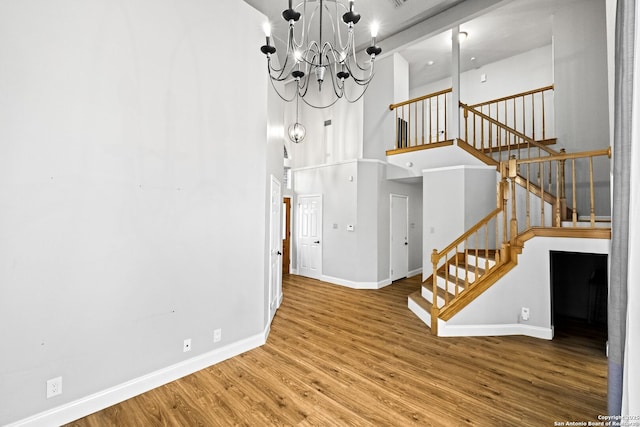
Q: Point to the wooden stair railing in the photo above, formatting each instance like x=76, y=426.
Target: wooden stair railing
x=422, y=122
x=489, y=249
x=481, y=241
x=494, y=139
x=525, y=112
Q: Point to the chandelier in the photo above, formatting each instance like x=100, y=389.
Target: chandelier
x=328, y=57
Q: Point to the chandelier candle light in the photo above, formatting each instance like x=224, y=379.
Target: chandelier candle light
x=324, y=59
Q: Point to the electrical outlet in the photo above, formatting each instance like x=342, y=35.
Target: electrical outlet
x=54, y=387
x=217, y=335
x=187, y=345
x=524, y=314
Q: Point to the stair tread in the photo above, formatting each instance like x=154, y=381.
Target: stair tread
x=423, y=303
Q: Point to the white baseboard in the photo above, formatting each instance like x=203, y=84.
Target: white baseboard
x=446, y=330
x=293, y=271
x=95, y=402
x=356, y=285
x=415, y=272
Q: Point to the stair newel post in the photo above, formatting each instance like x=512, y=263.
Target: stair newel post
x=434, y=306
x=513, y=172
x=466, y=122
x=562, y=191
x=504, y=195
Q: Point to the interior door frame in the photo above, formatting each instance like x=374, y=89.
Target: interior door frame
x=287, y=237
x=298, y=224
x=391, y=223
x=275, y=247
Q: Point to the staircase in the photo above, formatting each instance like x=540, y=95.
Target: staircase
x=529, y=169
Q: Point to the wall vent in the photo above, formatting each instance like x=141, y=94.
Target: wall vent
x=397, y=3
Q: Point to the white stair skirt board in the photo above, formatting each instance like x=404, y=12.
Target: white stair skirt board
x=356, y=285
x=445, y=330
x=103, y=399
x=494, y=330
x=422, y=314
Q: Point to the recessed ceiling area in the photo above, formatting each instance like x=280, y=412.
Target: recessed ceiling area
x=517, y=27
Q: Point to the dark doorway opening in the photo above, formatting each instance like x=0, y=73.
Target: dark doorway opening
x=579, y=297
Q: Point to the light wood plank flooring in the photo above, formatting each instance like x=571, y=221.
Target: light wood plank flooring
x=337, y=356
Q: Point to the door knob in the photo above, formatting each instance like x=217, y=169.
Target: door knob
x=278, y=253
x=405, y=243
x=317, y=242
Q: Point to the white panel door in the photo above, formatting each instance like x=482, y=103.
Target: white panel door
x=399, y=236
x=275, y=246
x=309, y=236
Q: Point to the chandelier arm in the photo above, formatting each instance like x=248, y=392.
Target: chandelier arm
x=319, y=107
x=355, y=60
x=360, y=80
x=359, y=96
x=278, y=92
x=335, y=84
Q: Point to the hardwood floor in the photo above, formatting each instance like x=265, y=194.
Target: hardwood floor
x=337, y=356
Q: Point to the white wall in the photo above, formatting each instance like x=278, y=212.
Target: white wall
x=339, y=141
x=390, y=85
x=581, y=89
x=519, y=73
x=357, y=193
x=497, y=310
x=133, y=192
x=455, y=198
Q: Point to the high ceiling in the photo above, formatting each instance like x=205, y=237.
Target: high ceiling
x=512, y=27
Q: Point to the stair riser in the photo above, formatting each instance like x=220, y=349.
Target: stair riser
x=482, y=262
x=461, y=273
x=428, y=295
x=450, y=286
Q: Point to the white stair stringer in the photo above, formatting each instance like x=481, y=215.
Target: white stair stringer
x=422, y=312
x=420, y=304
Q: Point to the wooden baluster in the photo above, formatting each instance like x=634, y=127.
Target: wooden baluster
x=514, y=214
x=445, y=117
x=505, y=197
x=533, y=118
x=486, y=246
x=544, y=132
x=542, y=224
x=466, y=125
x=437, y=121
x=481, y=134
x=498, y=258
x=563, y=194
x=430, y=120
x=466, y=264
x=515, y=116
x=528, y=217
x=558, y=220
x=422, y=105
x=446, y=280
x=398, y=142
x=574, y=215
x=434, y=289
x=505, y=113
x=477, y=254
x=593, y=200
x=455, y=269
x=524, y=123
x=415, y=122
